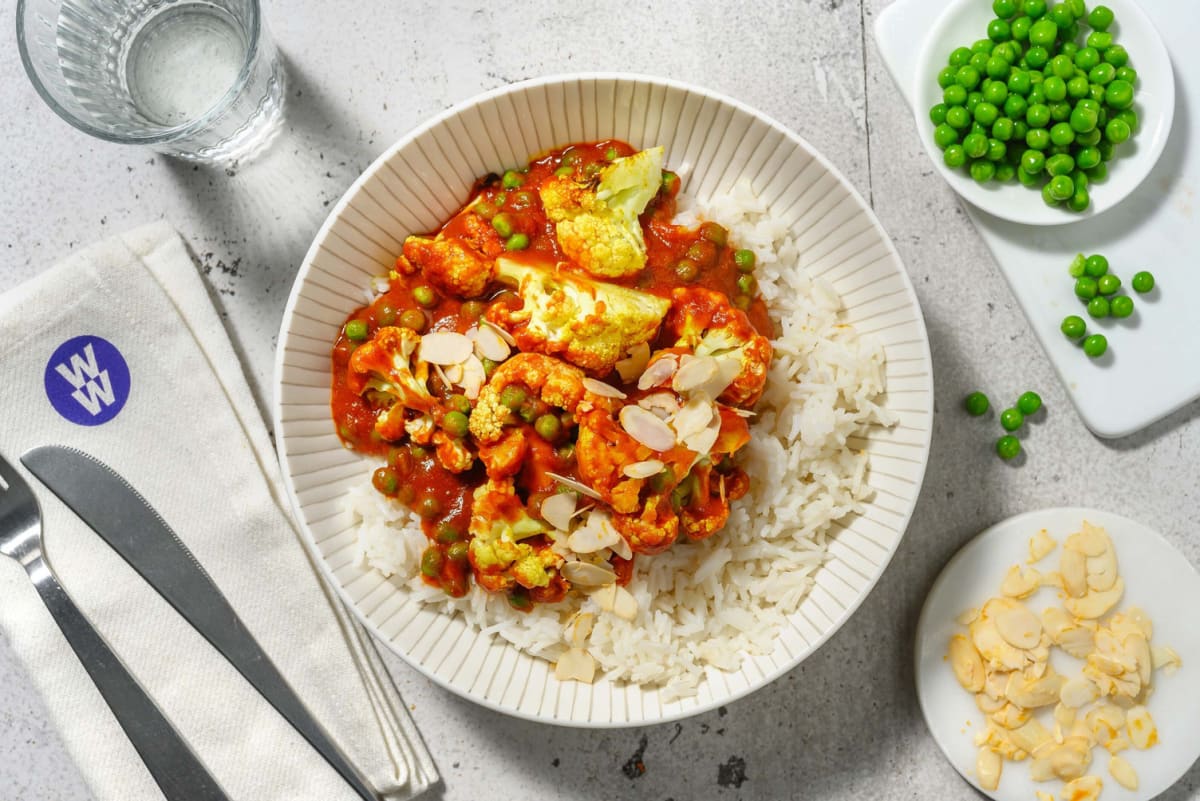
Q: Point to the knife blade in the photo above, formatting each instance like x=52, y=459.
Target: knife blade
x=123, y=519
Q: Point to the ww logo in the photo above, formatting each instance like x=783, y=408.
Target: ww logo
x=87, y=380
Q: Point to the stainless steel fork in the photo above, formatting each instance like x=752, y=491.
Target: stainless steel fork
x=173, y=765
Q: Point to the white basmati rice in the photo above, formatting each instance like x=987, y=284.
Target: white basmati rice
x=709, y=603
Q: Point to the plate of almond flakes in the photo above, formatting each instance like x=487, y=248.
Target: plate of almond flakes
x=1053, y=656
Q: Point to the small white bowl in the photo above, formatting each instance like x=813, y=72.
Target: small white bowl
x=965, y=21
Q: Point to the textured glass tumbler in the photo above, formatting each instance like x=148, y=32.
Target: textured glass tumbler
x=198, y=80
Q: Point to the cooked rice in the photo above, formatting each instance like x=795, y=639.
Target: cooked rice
x=710, y=603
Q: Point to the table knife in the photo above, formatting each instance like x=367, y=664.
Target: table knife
x=123, y=519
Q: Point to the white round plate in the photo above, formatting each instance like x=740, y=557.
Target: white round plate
x=965, y=21
x=1158, y=578
x=421, y=181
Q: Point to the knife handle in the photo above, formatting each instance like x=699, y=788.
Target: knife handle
x=172, y=764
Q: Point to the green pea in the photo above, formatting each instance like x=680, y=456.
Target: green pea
x=1083, y=120
x=1095, y=345
x=1119, y=94
x=429, y=507
x=1077, y=87
x=1038, y=116
x=686, y=270
x=512, y=397
x=954, y=156
x=1102, y=74
x=1060, y=165
x=1096, y=93
x=1004, y=9
x=1087, y=157
x=670, y=181
x=1108, y=284
x=1062, y=66
x=1086, y=58
x=1037, y=56
x=413, y=319
x=1116, y=55
x=548, y=427
x=447, y=533
x=1073, y=326
x=715, y=233
x=1034, y=8
x=986, y=113
x=356, y=330
x=745, y=260
x=1098, y=307
x=1101, y=40
x=1062, y=134
x=996, y=150
x=512, y=179
x=1043, y=33
x=1011, y=419
x=958, y=118
x=517, y=241
x=424, y=296
x=1127, y=74
x=385, y=480
x=954, y=95
x=1038, y=138
x=1117, y=131
x=967, y=77
x=979, y=60
x=982, y=171
x=960, y=56
x=973, y=100
x=1060, y=111
x=1095, y=266
x=565, y=170
x=455, y=424
x=999, y=31
x=1062, y=16
x=1008, y=446
x=1100, y=18
x=1019, y=28
x=976, y=404
x=1018, y=83
x=997, y=67
x=1002, y=130
x=1080, y=200
x=1142, y=282
x=458, y=552
x=1033, y=161
x=1121, y=306
x=503, y=223
x=1029, y=403
x=1077, y=266
x=1085, y=287
x=1025, y=178
x=432, y=561
x=1048, y=196
x=459, y=403
x=983, y=46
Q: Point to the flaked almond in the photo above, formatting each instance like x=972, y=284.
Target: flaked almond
x=1055, y=621
x=1123, y=773
x=595, y=536
x=621, y=547
x=1021, y=583
x=1030, y=736
x=1077, y=641
x=575, y=664
x=1041, y=545
x=1166, y=658
x=1102, y=570
x=453, y=373
x=659, y=372
x=1074, y=571
x=578, y=629
x=1070, y=759
x=1034, y=694
x=444, y=347
x=489, y=344
x=474, y=377
x=988, y=766
x=693, y=373
x=703, y=442
x=602, y=389
x=1091, y=540
x=664, y=405
x=1096, y=603
x=1078, y=692
x=558, y=509
x=585, y=574
x=1085, y=788
x=632, y=366
x=649, y=467
x=1019, y=627
x=617, y=600
x=498, y=331
x=1142, y=731
x=693, y=418
x=968, y=617
x=578, y=486
x=966, y=663
x=646, y=428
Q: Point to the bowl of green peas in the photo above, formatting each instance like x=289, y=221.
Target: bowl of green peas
x=1043, y=112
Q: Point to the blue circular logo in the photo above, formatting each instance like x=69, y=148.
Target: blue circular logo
x=87, y=380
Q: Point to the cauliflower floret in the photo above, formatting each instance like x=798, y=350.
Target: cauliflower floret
x=651, y=530
x=506, y=456
x=706, y=510
x=589, y=323
x=706, y=322
x=385, y=367
x=604, y=449
x=452, y=452
x=599, y=230
x=558, y=384
x=498, y=554
x=451, y=264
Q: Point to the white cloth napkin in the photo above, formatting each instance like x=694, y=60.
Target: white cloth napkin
x=191, y=440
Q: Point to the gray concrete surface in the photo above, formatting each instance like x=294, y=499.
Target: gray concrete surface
x=843, y=725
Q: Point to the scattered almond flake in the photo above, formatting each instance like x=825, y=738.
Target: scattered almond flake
x=1041, y=545
x=474, y=377
x=728, y=367
x=659, y=372
x=605, y=597
x=968, y=617
x=1085, y=788
x=444, y=347
x=647, y=428
x=500, y=332
x=694, y=417
x=632, y=366
x=602, y=389
x=1019, y=627
x=1096, y=603
x=1090, y=540
x=621, y=548
x=591, y=538
x=663, y=404
x=1164, y=657
x=489, y=344
x=703, y=442
x=578, y=628
x=988, y=766
x=694, y=373
x=1034, y=694
x=1074, y=571
x=650, y=467
x=1123, y=772
x=966, y=663
x=586, y=574
x=740, y=412
x=1078, y=692
x=454, y=372
x=625, y=606
x=1102, y=570
x=575, y=664
x=441, y=374
x=1021, y=583
x=558, y=509
x=1142, y=731
x=578, y=486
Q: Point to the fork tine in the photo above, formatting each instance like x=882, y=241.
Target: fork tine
x=13, y=483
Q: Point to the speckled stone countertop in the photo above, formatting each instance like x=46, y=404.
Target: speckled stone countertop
x=843, y=725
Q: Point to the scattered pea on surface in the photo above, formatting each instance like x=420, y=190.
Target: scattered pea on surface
x=1095, y=345
x=1011, y=419
x=1073, y=326
x=1121, y=306
x=1086, y=288
x=1142, y=282
x=1029, y=403
x=1098, y=307
x=976, y=404
x=1008, y=447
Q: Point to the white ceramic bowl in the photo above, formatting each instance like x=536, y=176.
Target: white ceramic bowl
x=1158, y=578
x=963, y=22
x=420, y=182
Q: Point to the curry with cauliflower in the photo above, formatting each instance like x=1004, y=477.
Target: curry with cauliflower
x=560, y=378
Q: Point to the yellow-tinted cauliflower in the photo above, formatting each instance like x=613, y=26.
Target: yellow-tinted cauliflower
x=589, y=323
x=498, y=554
x=386, y=367
x=598, y=229
x=706, y=322
x=462, y=264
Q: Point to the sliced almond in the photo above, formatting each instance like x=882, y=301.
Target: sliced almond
x=1041, y=545
x=558, y=509
x=1021, y=583
x=703, y=442
x=1091, y=540
x=646, y=469
x=1074, y=571
x=1055, y=621
x=988, y=766
x=602, y=389
x=1166, y=658
x=694, y=417
x=1019, y=627
x=575, y=664
x=1011, y=716
x=1096, y=603
x=592, y=537
x=473, y=378
x=664, y=405
x=624, y=604
x=1142, y=621
x=489, y=344
x=988, y=705
x=1070, y=759
x=968, y=617
x=659, y=372
x=647, y=429
x=996, y=652
x=1033, y=694
x=1102, y=570
x=1123, y=772
x=694, y=373
x=1030, y=736
x=498, y=331
x=1078, y=692
x=966, y=663
x=578, y=629
x=1142, y=731
x=453, y=373
x=444, y=347
x=1041, y=770
x=585, y=574
x=1064, y=719
x=621, y=547
x=1085, y=788
x=1077, y=641
x=578, y=486
x=632, y=366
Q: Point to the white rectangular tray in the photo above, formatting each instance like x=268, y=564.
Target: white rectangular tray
x=1152, y=367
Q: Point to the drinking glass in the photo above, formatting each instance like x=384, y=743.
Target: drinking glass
x=196, y=79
